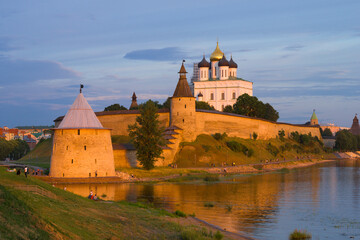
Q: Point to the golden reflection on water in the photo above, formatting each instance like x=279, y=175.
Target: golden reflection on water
x=240, y=204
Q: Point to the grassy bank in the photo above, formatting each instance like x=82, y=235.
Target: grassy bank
x=206, y=150
x=57, y=214
x=39, y=156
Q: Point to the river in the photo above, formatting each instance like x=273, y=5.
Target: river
x=323, y=199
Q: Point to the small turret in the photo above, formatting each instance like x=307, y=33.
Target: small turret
x=355, y=128
x=134, y=104
x=314, y=119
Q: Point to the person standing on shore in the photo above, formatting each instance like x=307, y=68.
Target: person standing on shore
x=26, y=171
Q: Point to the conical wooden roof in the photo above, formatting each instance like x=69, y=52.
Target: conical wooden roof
x=80, y=115
x=182, y=88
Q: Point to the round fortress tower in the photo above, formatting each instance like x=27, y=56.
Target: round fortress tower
x=82, y=147
x=182, y=108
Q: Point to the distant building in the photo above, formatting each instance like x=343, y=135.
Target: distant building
x=134, y=104
x=355, y=128
x=314, y=119
x=216, y=82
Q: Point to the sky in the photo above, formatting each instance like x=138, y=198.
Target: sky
x=300, y=55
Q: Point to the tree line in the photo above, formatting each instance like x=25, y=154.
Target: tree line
x=346, y=141
x=14, y=149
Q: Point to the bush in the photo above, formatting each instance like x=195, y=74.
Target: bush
x=211, y=178
x=208, y=204
x=281, y=134
x=180, y=213
x=218, y=235
x=255, y=135
x=238, y=147
x=298, y=234
x=206, y=147
x=219, y=136
x=250, y=152
x=272, y=149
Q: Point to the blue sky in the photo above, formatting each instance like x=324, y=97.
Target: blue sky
x=301, y=55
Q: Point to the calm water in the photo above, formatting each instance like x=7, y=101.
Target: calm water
x=323, y=199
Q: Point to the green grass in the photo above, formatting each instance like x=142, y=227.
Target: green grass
x=39, y=156
x=217, y=152
x=26, y=215
x=299, y=235
x=158, y=172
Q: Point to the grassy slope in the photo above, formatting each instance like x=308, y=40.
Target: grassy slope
x=208, y=150
x=40, y=155
x=27, y=215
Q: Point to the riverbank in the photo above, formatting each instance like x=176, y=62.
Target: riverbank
x=33, y=209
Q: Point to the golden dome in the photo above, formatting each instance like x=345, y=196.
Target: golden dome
x=217, y=54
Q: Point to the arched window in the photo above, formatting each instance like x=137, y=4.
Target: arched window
x=201, y=74
x=225, y=73
x=234, y=95
x=85, y=148
x=222, y=73
x=222, y=96
x=212, y=96
x=72, y=161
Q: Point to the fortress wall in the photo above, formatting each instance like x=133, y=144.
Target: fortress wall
x=70, y=158
x=125, y=158
x=118, y=123
x=243, y=127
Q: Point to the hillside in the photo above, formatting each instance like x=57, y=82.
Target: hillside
x=40, y=155
x=32, y=209
x=206, y=150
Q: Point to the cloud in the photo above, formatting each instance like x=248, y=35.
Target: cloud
x=295, y=47
x=163, y=54
x=25, y=71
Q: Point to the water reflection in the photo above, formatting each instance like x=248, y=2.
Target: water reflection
x=323, y=199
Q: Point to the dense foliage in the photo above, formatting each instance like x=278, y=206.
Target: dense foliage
x=146, y=134
x=250, y=106
x=326, y=133
x=204, y=105
x=15, y=149
x=115, y=107
x=346, y=141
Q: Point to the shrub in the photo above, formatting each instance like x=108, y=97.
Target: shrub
x=206, y=147
x=219, y=136
x=238, y=147
x=298, y=234
x=281, y=134
x=211, y=178
x=218, y=235
x=272, y=149
x=250, y=152
x=180, y=213
x=208, y=204
x=255, y=135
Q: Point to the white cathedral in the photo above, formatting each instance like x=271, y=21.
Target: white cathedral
x=216, y=82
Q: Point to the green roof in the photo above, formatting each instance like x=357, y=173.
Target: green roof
x=314, y=117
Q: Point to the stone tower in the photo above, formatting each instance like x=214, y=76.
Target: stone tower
x=82, y=147
x=355, y=128
x=182, y=108
x=314, y=119
x=134, y=104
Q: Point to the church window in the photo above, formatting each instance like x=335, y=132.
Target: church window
x=225, y=73
x=222, y=96
x=85, y=148
x=234, y=95
x=78, y=131
x=222, y=73
x=202, y=73
x=212, y=96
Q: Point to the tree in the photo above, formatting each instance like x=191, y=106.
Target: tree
x=326, y=133
x=251, y=106
x=281, y=134
x=146, y=134
x=115, y=107
x=166, y=104
x=21, y=149
x=203, y=105
x=345, y=141
x=228, y=109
